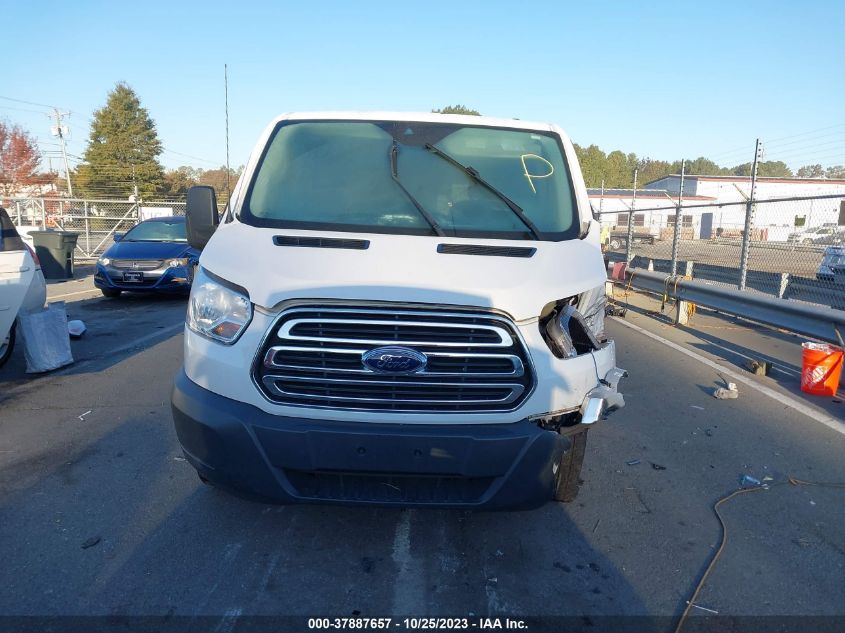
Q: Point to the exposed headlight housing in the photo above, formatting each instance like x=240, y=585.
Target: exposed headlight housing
x=177, y=263
x=105, y=261
x=217, y=310
x=567, y=332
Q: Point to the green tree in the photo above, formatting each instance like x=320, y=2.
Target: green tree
x=771, y=169
x=835, y=172
x=457, y=109
x=810, y=171
x=593, y=164
x=617, y=172
x=650, y=169
x=702, y=166
x=123, y=149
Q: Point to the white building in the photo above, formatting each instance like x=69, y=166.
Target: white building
x=653, y=210
x=772, y=221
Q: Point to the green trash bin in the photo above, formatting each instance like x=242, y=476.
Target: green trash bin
x=55, y=250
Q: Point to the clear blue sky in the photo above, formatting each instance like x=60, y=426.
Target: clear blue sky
x=661, y=79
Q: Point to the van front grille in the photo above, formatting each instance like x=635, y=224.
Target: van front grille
x=313, y=357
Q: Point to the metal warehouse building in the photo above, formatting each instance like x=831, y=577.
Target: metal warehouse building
x=724, y=214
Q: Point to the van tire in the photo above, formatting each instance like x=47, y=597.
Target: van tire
x=7, y=346
x=111, y=294
x=569, y=468
x=615, y=244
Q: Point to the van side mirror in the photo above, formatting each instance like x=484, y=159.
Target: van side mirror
x=118, y=236
x=201, y=217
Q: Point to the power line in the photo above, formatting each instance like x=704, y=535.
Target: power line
x=204, y=160
x=34, y=103
x=825, y=149
x=830, y=127
x=811, y=139
x=3, y=107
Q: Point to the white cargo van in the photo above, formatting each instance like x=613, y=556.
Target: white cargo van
x=397, y=309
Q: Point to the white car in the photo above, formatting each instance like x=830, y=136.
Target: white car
x=22, y=286
x=825, y=234
x=397, y=309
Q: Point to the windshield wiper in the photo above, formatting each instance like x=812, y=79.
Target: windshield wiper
x=394, y=173
x=473, y=173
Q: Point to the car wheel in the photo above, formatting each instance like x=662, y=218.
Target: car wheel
x=807, y=241
x=7, y=346
x=615, y=244
x=110, y=293
x=569, y=468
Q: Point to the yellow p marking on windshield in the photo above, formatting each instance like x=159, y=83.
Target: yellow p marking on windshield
x=531, y=176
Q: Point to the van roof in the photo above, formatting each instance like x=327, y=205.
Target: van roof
x=425, y=117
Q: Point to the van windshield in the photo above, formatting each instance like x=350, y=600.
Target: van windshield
x=397, y=177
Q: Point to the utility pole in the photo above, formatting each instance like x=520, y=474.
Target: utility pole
x=60, y=131
x=226, y=97
x=629, y=246
x=677, y=235
x=749, y=216
x=601, y=199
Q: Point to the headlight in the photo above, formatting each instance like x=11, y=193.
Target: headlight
x=177, y=263
x=105, y=261
x=217, y=311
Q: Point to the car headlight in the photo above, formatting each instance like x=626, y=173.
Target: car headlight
x=105, y=261
x=177, y=263
x=217, y=310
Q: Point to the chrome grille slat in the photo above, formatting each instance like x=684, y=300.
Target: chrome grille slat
x=137, y=264
x=311, y=357
x=514, y=391
x=517, y=366
x=286, y=332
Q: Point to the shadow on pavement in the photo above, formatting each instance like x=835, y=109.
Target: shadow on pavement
x=116, y=329
x=123, y=527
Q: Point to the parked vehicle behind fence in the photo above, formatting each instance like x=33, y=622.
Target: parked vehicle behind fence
x=397, y=309
x=153, y=256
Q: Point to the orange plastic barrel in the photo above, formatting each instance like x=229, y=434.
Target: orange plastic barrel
x=821, y=368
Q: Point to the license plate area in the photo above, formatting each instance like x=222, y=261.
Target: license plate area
x=133, y=276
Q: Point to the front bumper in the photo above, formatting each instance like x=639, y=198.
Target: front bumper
x=176, y=279
x=239, y=447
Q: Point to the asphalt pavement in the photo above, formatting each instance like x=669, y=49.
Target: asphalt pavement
x=774, y=257
x=101, y=515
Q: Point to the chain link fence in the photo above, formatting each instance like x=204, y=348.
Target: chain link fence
x=96, y=221
x=787, y=247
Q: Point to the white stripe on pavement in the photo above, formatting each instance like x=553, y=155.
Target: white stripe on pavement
x=71, y=294
x=820, y=417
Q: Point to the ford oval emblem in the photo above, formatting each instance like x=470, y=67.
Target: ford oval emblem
x=394, y=360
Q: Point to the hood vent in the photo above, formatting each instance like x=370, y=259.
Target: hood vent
x=491, y=251
x=320, y=242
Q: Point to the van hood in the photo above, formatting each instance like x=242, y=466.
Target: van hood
x=402, y=268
